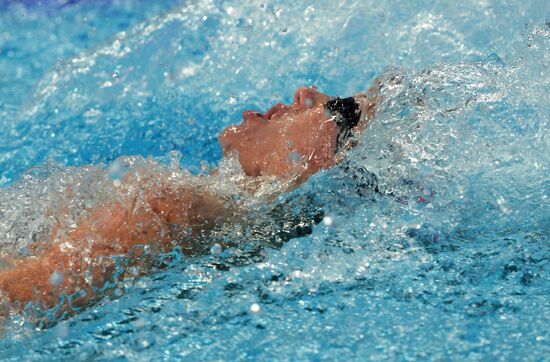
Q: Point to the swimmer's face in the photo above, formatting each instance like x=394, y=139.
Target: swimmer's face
x=296, y=139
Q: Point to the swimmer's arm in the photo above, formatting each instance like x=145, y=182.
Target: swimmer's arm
x=115, y=230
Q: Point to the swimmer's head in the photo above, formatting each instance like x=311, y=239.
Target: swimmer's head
x=297, y=139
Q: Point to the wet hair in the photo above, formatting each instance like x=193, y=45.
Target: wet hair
x=346, y=113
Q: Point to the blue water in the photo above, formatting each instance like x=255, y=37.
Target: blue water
x=452, y=264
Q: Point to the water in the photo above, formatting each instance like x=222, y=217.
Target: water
x=452, y=263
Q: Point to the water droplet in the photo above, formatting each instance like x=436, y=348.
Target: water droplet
x=255, y=308
x=56, y=278
x=462, y=186
x=61, y=331
x=140, y=323
x=216, y=249
x=116, y=172
x=504, y=206
x=328, y=220
x=294, y=156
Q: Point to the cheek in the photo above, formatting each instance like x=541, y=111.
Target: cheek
x=315, y=134
x=246, y=143
x=318, y=147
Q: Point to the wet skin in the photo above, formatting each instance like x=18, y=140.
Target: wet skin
x=294, y=140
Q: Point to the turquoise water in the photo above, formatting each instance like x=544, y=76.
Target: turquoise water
x=452, y=262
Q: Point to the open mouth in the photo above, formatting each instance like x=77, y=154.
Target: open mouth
x=277, y=109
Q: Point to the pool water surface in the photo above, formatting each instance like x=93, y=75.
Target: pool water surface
x=451, y=261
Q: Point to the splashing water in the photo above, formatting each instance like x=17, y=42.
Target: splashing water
x=448, y=260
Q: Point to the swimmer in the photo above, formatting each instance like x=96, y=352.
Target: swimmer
x=288, y=143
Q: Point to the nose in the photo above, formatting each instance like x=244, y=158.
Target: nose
x=308, y=97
